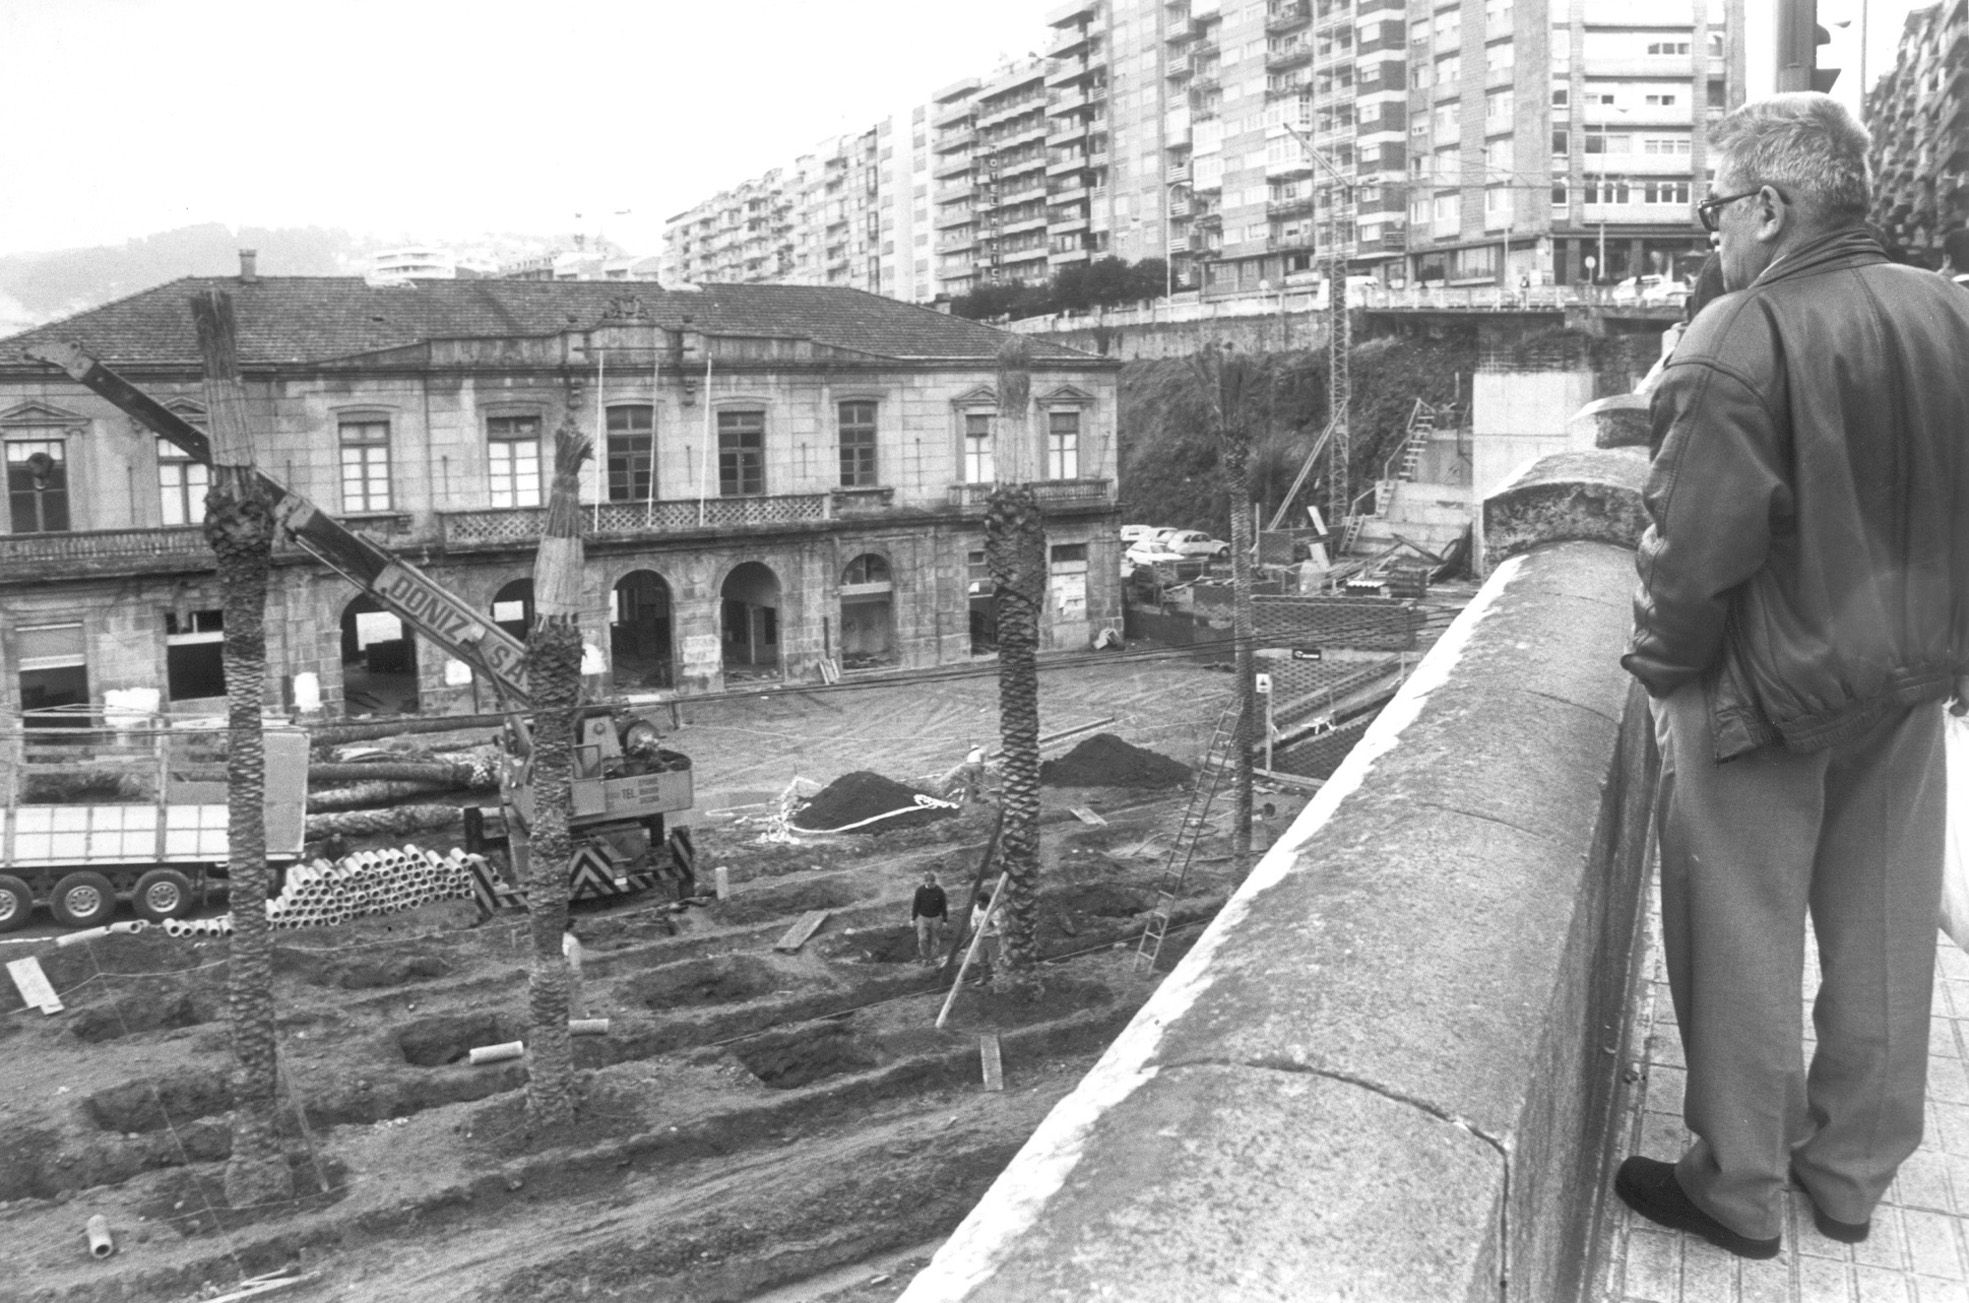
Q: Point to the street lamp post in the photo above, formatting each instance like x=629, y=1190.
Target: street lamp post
x=1169, y=188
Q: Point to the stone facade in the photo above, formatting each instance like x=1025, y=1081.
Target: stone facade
x=715, y=573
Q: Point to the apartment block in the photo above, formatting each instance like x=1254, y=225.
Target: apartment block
x=1919, y=116
x=1247, y=141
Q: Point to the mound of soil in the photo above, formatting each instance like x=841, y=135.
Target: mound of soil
x=1104, y=760
x=861, y=795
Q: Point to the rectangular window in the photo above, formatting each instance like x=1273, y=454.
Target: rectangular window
x=1663, y=101
x=1499, y=58
x=741, y=453
x=1497, y=207
x=1667, y=192
x=513, y=460
x=978, y=468
x=365, y=465
x=1063, y=445
x=37, y=485
x=632, y=453
x=857, y=433
x=1497, y=157
x=1558, y=192
x=1498, y=108
x=1448, y=214
x=194, y=655
x=1561, y=94
x=181, y=485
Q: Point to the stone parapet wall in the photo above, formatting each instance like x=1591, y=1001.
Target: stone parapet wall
x=1387, y=1069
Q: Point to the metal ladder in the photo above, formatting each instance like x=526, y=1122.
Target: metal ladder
x=1176, y=867
x=1421, y=425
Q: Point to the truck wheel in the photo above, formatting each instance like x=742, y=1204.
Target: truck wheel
x=83, y=900
x=162, y=894
x=16, y=903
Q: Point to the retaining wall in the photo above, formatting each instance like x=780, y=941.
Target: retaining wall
x=1387, y=1069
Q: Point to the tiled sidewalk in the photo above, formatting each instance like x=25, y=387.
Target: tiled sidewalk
x=1916, y=1253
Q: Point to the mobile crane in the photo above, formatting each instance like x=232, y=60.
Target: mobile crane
x=625, y=785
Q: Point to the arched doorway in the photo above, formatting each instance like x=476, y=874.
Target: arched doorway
x=512, y=608
x=868, y=624
x=379, y=661
x=639, y=631
x=750, y=611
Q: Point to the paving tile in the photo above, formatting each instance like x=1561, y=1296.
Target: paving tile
x=1934, y=1247
x=1886, y=1247
x=1768, y=1281
x=1927, y=1289
x=1877, y=1286
x=1663, y=1136
x=1948, y=1080
x=1708, y=1273
x=1665, y=1087
x=1654, y=1267
x=1951, y=1125
x=1923, y=1181
x=1820, y=1281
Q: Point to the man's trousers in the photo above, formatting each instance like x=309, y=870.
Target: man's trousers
x=1853, y=834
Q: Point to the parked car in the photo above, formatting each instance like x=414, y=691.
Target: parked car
x=1147, y=552
x=1191, y=543
x=1136, y=533
x=1650, y=291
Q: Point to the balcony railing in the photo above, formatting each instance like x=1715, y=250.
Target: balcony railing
x=186, y=541
x=1054, y=493
x=523, y=524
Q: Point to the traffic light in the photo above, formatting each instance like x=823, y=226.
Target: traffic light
x=1799, y=36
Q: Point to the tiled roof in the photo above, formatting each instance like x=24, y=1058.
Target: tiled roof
x=302, y=319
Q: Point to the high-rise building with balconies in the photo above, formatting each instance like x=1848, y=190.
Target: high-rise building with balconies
x=1246, y=141
x=1919, y=116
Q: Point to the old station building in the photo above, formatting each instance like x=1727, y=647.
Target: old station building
x=789, y=484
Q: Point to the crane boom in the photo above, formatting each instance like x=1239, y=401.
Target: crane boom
x=397, y=586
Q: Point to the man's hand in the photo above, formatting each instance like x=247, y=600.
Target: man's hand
x=1960, y=706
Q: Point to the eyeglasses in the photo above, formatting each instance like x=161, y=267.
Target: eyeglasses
x=1709, y=210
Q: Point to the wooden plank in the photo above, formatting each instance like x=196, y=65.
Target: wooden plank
x=800, y=933
x=994, y=1067
x=1087, y=816
x=33, y=985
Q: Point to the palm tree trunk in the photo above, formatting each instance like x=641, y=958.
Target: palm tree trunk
x=553, y=667
x=239, y=526
x=1015, y=550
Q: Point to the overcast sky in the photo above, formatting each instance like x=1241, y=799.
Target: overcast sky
x=441, y=118
x=438, y=119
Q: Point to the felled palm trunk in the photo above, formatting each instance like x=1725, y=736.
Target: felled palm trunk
x=553, y=671
x=239, y=526
x=1015, y=550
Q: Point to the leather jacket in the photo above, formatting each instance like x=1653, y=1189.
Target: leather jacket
x=1808, y=561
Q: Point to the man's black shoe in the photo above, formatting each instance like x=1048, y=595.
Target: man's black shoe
x=1649, y=1187
x=1831, y=1227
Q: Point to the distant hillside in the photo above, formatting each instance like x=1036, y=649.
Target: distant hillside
x=39, y=287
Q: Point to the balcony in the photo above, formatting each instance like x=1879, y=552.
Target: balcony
x=1285, y=17
x=104, y=551
x=970, y=498
x=1288, y=56
x=521, y=526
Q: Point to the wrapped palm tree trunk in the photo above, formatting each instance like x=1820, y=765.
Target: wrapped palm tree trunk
x=553, y=671
x=1015, y=550
x=239, y=526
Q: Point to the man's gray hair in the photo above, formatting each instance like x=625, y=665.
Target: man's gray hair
x=1807, y=145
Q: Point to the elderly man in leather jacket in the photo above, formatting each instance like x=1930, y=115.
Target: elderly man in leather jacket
x=1803, y=612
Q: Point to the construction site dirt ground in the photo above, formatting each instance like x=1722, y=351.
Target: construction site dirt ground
x=755, y=1125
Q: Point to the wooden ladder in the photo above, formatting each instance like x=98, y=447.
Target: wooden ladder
x=1176, y=867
